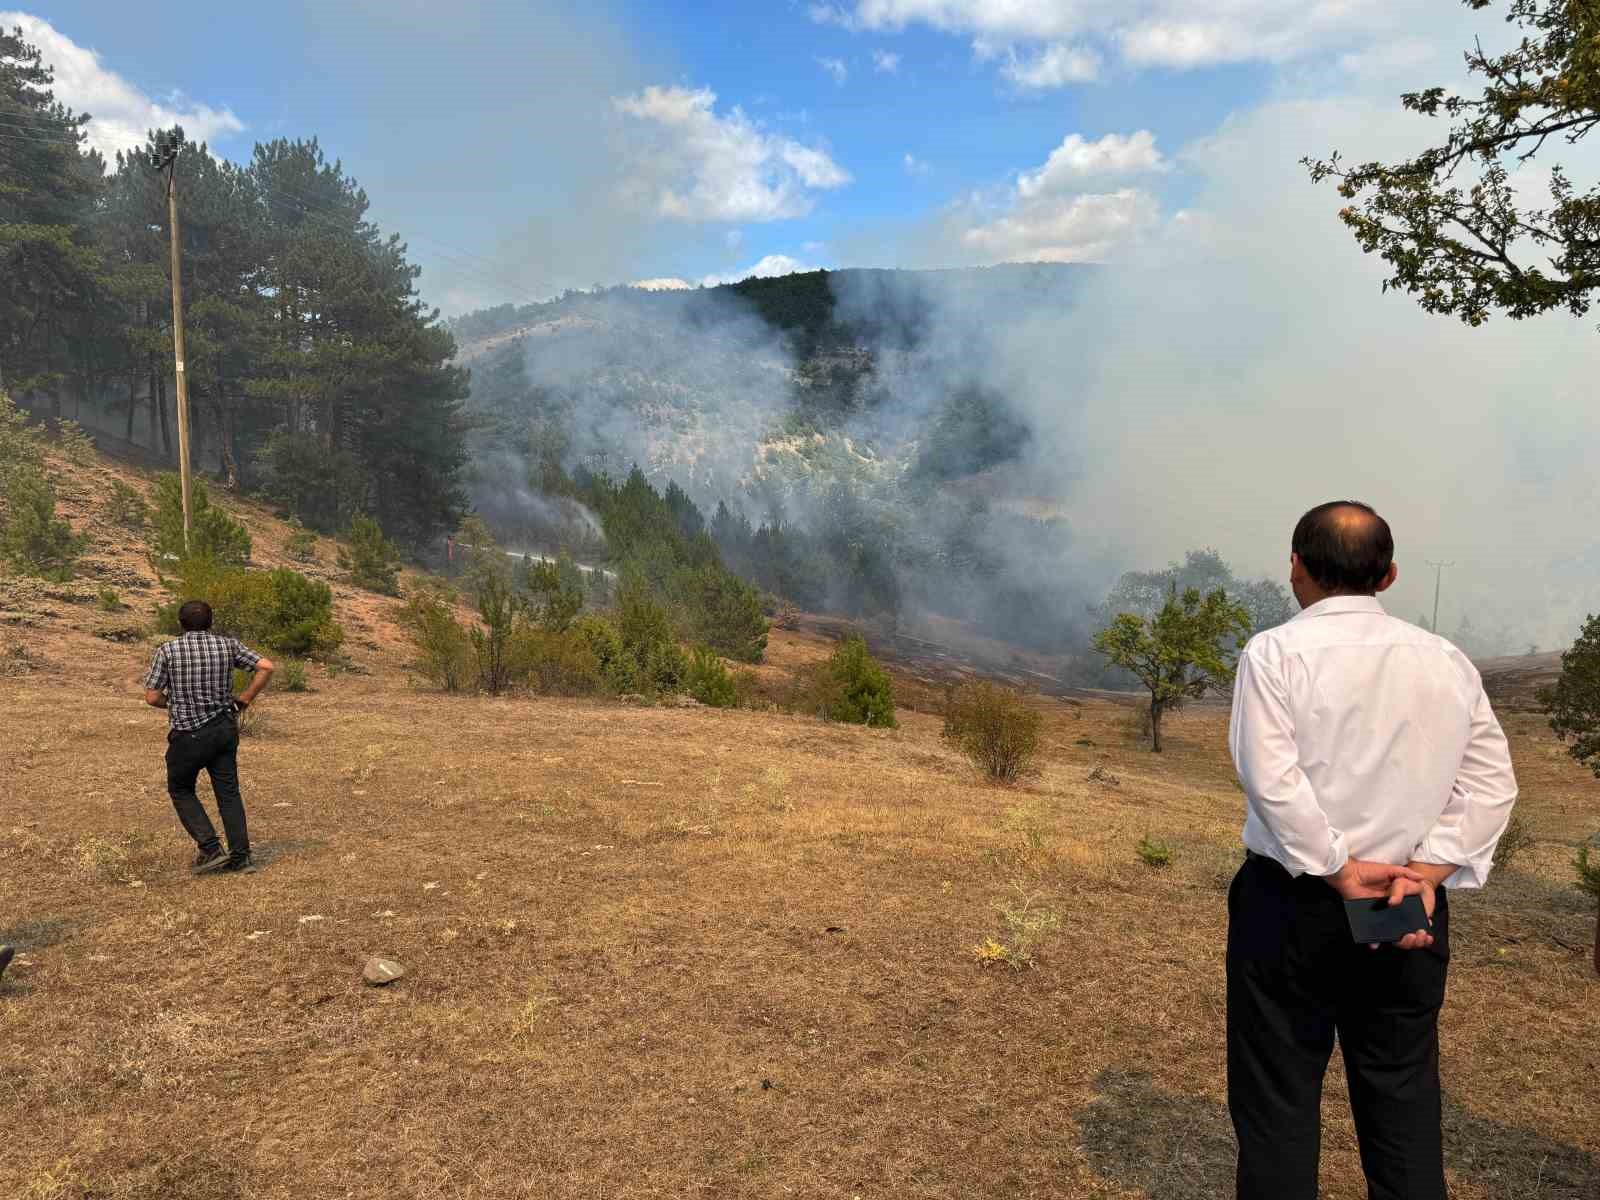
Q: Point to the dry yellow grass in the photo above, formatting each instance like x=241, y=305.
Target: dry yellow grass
x=660, y=952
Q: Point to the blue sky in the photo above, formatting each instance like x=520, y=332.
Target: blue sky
x=1238, y=363
x=490, y=134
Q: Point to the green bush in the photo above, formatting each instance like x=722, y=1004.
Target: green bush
x=109, y=601
x=373, y=561
x=555, y=590
x=1588, y=872
x=709, y=681
x=665, y=669
x=1516, y=838
x=502, y=611
x=127, y=507
x=301, y=544
x=1155, y=854
x=853, y=687
x=291, y=676
x=279, y=611
x=603, y=640
x=34, y=541
x=994, y=727
x=19, y=442
x=444, y=651
x=723, y=611
x=555, y=664
x=641, y=620
x=76, y=445
x=212, y=533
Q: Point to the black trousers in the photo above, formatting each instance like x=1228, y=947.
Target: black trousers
x=1295, y=978
x=213, y=748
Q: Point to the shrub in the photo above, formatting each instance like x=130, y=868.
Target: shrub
x=212, y=533
x=1155, y=854
x=1516, y=838
x=723, y=611
x=603, y=640
x=709, y=682
x=1588, y=872
x=109, y=601
x=34, y=540
x=19, y=442
x=1026, y=923
x=555, y=591
x=994, y=727
x=279, y=610
x=501, y=611
x=640, y=620
x=373, y=561
x=301, y=544
x=555, y=664
x=444, y=651
x=291, y=676
x=127, y=507
x=76, y=445
x=853, y=687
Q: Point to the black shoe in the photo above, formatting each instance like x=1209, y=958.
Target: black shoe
x=240, y=862
x=205, y=864
x=6, y=955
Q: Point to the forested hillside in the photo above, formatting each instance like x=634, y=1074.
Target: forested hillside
x=315, y=372
x=842, y=435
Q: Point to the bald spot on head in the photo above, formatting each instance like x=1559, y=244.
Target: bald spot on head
x=1345, y=546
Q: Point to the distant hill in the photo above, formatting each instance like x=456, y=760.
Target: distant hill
x=702, y=383
x=867, y=409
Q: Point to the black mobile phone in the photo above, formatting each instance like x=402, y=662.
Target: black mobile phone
x=1379, y=921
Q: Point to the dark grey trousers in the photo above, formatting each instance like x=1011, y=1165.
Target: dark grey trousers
x=214, y=749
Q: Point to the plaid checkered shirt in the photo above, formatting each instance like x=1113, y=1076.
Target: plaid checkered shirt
x=196, y=673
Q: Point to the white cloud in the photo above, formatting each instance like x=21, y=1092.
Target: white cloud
x=733, y=239
x=1081, y=228
x=886, y=62
x=769, y=267
x=915, y=166
x=664, y=284
x=835, y=67
x=1068, y=209
x=1061, y=40
x=122, y=113
x=687, y=162
x=1076, y=160
x=1055, y=65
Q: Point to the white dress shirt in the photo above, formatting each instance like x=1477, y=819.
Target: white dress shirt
x=1358, y=735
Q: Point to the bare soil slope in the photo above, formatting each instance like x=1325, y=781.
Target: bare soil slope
x=658, y=952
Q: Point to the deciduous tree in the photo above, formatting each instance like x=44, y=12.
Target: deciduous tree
x=1459, y=231
x=1188, y=648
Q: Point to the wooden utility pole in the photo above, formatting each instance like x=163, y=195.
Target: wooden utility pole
x=167, y=159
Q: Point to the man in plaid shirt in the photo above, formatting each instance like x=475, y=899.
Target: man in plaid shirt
x=192, y=678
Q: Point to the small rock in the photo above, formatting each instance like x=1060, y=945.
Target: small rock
x=632, y=698
x=381, y=971
x=685, y=702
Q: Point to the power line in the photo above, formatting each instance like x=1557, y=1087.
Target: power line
x=22, y=137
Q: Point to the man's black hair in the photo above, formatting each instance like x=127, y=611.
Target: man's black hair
x=1345, y=546
x=194, y=616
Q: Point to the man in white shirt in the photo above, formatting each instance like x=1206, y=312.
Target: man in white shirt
x=1372, y=765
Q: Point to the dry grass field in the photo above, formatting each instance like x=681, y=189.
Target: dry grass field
x=679, y=952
